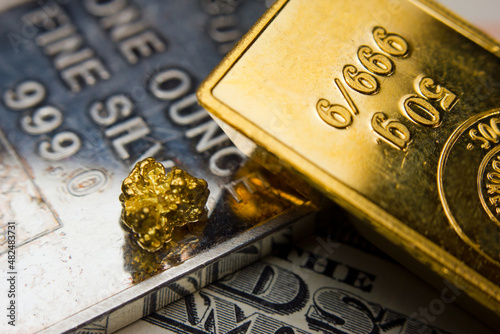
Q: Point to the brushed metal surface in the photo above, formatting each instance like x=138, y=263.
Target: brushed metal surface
x=87, y=89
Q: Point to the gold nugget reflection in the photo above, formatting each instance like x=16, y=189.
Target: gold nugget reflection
x=154, y=204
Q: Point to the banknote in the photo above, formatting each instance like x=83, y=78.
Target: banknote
x=316, y=286
x=87, y=89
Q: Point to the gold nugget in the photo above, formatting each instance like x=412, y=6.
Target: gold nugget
x=154, y=203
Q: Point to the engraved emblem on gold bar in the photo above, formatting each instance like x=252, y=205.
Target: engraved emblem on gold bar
x=394, y=116
x=469, y=165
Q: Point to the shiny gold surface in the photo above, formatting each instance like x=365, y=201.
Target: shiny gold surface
x=154, y=203
x=391, y=109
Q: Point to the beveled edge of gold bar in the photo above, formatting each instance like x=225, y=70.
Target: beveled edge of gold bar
x=392, y=229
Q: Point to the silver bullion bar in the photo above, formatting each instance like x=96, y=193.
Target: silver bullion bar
x=87, y=88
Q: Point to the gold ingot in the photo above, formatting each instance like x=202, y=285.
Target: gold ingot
x=392, y=109
x=154, y=203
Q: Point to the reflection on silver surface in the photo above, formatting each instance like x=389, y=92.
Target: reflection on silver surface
x=87, y=89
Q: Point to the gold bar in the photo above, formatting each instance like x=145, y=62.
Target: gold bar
x=392, y=109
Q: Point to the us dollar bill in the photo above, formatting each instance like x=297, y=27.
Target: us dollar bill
x=316, y=286
x=87, y=89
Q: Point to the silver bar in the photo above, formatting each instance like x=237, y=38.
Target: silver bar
x=87, y=89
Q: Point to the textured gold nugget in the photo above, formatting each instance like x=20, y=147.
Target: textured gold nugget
x=154, y=203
